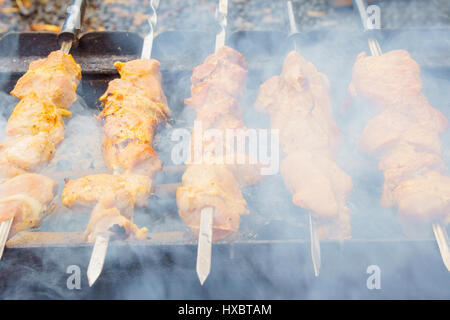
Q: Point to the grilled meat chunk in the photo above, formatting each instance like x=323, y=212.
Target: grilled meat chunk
x=113, y=198
x=106, y=218
x=54, y=79
x=36, y=126
x=211, y=186
x=28, y=199
x=404, y=135
x=134, y=105
x=127, y=190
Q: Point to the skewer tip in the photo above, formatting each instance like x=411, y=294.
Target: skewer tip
x=5, y=228
x=97, y=259
x=315, y=246
x=442, y=240
x=204, y=249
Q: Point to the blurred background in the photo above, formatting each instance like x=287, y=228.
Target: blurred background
x=130, y=15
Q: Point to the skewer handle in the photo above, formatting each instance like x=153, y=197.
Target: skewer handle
x=72, y=25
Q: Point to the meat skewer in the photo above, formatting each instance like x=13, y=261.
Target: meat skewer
x=210, y=201
x=299, y=106
x=205, y=238
x=314, y=235
x=33, y=131
x=409, y=152
x=134, y=105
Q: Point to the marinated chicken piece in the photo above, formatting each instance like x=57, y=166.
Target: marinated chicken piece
x=33, y=131
x=317, y=183
x=106, y=218
x=113, y=198
x=390, y=128
x=217, y=85
x=33, y=115
x=426, y=197
x=145, y=75
x=404, y=135
x=133, y=107
x=405, y=162
x=36, y=127
x=300, y=93
x=54, y=79
x=27, y=153
x=225, y=69
x=299, y=106
x=387, y=79
x=127, y=190
x=28, y=199
x=211, y=186
x=212, y=105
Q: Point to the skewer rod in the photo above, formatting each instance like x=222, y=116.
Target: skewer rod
x=147, y=46
x=221, y=16
x=66, y=46
x=315, y=246
x=5, y=227
x=442, y=240
x=204, y=249
x=97, y=258
x=314, y=237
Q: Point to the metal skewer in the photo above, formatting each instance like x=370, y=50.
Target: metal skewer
x=68, y=35
x=204, y=249
x=439, y=230
x=102, y=241
x=97, y=258
x=5, y=228
x=374, y=46
x=72, y=25
x=315, y=246
x=314, y=235
x=148, y=40
x=442, y=240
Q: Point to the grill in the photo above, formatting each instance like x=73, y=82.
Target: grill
x=270, y=257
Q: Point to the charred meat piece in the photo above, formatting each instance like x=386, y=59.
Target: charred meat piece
x=299, y=106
